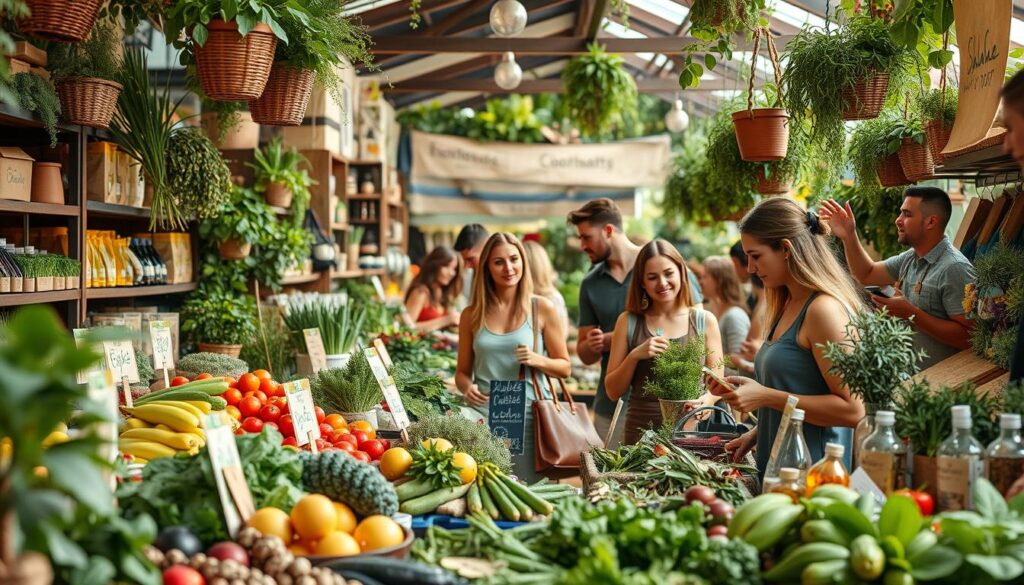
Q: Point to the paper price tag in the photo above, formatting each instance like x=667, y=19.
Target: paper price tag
x=235, y=497
x=121, y=360
x=163, y=346
x=862, y=483
x=387, y=387
x=85, y=376
x=315, y=347
x=383, y=352
x=300, y=406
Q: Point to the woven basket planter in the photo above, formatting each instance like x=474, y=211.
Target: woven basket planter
x=916, y=160
x=221, y=348
x=88, y=101
x=762, y=134
x=285, y=98
x=890, y=172
x=232, y=67
x=67, y=21
x=938, y=136
x=772, y=186
x=864, y=100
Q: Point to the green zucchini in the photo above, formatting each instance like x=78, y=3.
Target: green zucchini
x=473, y=503
x=489, y=507
x=505, y=506
x=528, y=497
x=431, y=501
x=414, y=489
x=525, y=512
x=177, y=395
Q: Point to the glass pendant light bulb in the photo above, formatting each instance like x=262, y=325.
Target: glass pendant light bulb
x=508, y=18
x=508, y=74
x=677, y=120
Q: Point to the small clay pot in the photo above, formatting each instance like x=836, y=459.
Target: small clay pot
x=47, y=186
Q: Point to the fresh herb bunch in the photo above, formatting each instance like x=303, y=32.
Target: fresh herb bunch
x=215, y=364
x=347, y=390
x=1013, y=397
x=599, y=94
x=340, y=325
x=869, y=145
x=435, y=465
x=142, y=127
x=244, y=216
x=423, y=393
x=36, y=94
x=146, y=372
x=273, y=349
x=876, y=357
x=274, y=164
x=931, y=106
x=198, y=176
x=467, y=436
x=923, y=414
x=677, y=372
x=216, y=315
x=96, y=56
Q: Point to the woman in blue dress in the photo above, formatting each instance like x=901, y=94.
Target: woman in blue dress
x=810, y=299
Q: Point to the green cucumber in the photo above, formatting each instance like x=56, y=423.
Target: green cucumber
x=528, y=497
x=217, y=403
x=489, y=507
x=525, y=512
x=473, y=502
x=430, y=502
x=505, y=506
x=414, y=489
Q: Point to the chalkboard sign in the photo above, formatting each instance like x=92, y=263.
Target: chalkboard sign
x=507, y=413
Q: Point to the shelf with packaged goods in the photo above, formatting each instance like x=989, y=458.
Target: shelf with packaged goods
x=120, y=292
x=32, y=298
x=11, y=206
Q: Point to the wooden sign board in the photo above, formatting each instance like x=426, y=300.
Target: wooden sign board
x=983, y=34
x=506, y=414
x=315, y=348
x=965, y=366
x=235, y=497
x=300, y=406
x=387, y=387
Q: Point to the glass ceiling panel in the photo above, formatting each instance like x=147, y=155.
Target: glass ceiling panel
x=666, y=9
x=794, y=15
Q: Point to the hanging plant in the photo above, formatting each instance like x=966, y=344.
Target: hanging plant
x=198, y=177
x=907, y=135
x=995, y=302
x=763, y=133
x=870, y=145
x=84, y=74
x=714, y=23
x=36, y=94
x=912, y=23
x=599, y=94
x=937, y=108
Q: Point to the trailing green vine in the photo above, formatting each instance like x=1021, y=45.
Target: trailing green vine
x=37, y=95
x=599, y=94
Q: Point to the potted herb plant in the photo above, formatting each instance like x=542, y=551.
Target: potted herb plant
x=198, y=177
x=352, y=391
x=37, y=95
x=676, y=377
x=876, y=357
x=84, y=74
x=279, y=177
x=599, y=93
x=66, y=21
x=219, y=319
x=938, y=110
x=922, y=417
x=874, y=153
x=242, y=222
x=230, y=43
x=340, y=327
x=908, y=137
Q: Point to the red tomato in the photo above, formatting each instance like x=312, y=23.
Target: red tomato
x=322, y=444
x=204, y=376
x=361, y=456
x=280, y=402
x=373, y=448
x=261, y=374
x=384, y=405
x=337, y=435
x=248, y=383
x=270, y=413
x=232, y=395
x=320, y=415
x=183, y=575
x=268, y=387
x=348, y=439
x=284, y=424
x=271, y=424
x=360, y=438
x=326, y=430
x=386, y=443
x=290, y=441
x=249, y=406
x=924, y=500
x=179, y=380
x=344, y=446
x=252, y=425
x=259, y=396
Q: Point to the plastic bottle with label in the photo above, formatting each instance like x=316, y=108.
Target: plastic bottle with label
x=1004, y=457
x=959, y=463
x=829, y=470
x=793, y=453
x=883, y=456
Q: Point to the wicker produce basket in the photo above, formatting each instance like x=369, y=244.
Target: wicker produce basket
x=285, y=98
x=938, y=136
x=88, y=101
x=864, y=100
x=232, y=67
x=66, y=21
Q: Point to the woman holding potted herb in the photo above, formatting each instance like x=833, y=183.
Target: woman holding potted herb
x=431, y=296
x=659, y=321
x=497, y=336
x=810, y=301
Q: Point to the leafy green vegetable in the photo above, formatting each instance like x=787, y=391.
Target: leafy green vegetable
x=182, y=490
x=423, y=393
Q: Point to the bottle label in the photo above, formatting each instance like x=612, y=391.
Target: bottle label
x=880, y=468
x=1003, y=471
x=956, y=477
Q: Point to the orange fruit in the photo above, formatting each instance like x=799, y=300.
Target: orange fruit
x=262, y=374
x=272, y=522
x=346, y=518
x=313, y=517
x=248, y=383
x=339, y=544
x=376, y=532
x=442, y=444
x=362, y=425
x=336, y=421
x=395, y=462
x=299, y=549
x=466, y=465
x=233, y=412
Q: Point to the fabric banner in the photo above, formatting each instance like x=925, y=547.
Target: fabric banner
x=608, y=166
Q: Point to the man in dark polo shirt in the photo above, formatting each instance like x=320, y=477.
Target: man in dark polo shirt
x=603, y=291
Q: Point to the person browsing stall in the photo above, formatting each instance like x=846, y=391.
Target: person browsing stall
x=543, y=276
x=431, y=296
x=659, y=312
x=810, y=300
x=929, y=277
x=496, y=335
x=724, y=298
x=469, y=243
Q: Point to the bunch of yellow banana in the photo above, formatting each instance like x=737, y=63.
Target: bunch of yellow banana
x=163, y=428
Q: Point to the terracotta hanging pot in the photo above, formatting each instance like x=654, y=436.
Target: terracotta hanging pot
x=66, y=21
x=762, y=134
x=88, y=101
x=890, y=172
x=916, y=160
x=938, y=136
x=775, y=185
x=278, y=195
x=230, y=349
x=865, y=98
x=47, y=186
x=234, y=249
x=232, y=67
x=285, y=97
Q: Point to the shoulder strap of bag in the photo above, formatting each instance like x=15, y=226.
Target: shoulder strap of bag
x=631, y=323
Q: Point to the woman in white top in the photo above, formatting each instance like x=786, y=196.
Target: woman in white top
x=543, y=275
x=723, y=296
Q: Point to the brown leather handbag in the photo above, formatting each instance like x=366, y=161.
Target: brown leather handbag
x=562, y=429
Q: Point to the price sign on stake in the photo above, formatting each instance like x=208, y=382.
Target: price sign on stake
x=300, y=405
x=84, y=376
x=163, y=353
x=121, y=364
x=387, y=386
x=235, y=497
x=383, y=352
x=315, y=347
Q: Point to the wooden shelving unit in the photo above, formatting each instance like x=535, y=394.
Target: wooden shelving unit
x=54, y=296
x=38, y=208
x=123, y=292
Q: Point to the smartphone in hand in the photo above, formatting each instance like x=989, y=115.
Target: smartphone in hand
x=708, y=372
x=881, y=291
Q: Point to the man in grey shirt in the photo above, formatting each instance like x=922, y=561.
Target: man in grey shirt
x=929, y=277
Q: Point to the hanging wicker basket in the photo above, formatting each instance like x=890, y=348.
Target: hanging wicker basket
x=938, y=136
x=232, y=67
x=285, y=98
x=865, y=98
x=771, y=186
x=88, y=101
x=916, y=160
x=762, y=134
x=66, y=21
x=890, y=172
